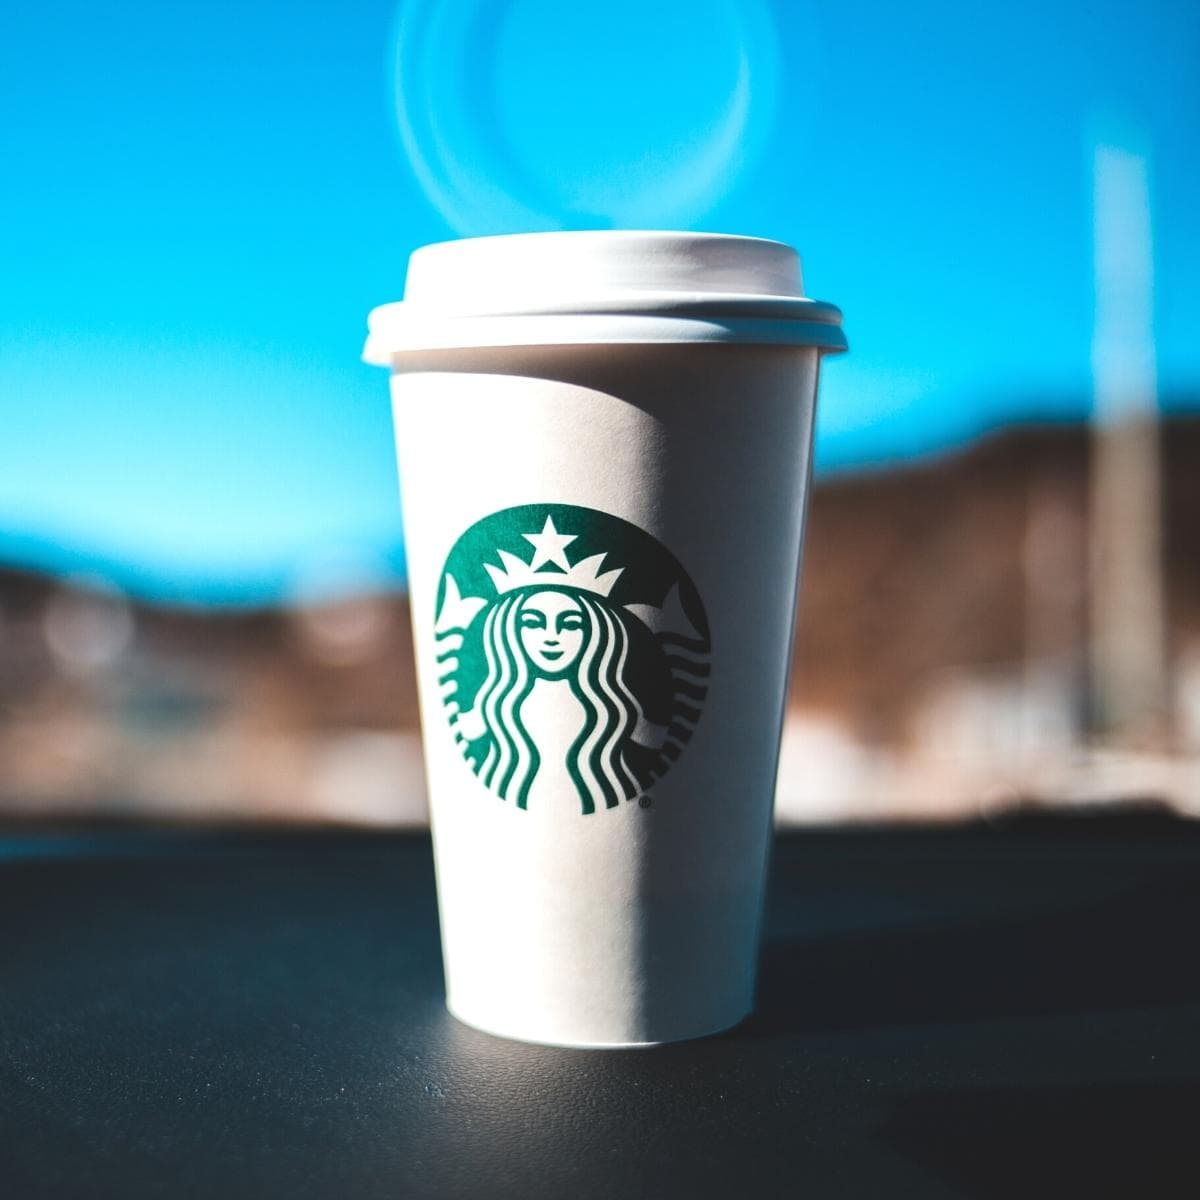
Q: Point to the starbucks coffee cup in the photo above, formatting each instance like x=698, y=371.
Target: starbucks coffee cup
x=604, y=444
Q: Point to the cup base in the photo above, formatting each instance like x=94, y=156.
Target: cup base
x=589, y=1044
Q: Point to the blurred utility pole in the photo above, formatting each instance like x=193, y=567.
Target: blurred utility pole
x=1128, y=628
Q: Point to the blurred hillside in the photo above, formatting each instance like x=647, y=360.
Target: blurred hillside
x=941, y=665
x=971, y=562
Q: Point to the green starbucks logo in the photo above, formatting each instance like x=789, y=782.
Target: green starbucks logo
x=573, y=655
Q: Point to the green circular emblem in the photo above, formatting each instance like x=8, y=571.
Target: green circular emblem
x=573, y=655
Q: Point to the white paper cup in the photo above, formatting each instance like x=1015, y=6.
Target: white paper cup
x=604, y=444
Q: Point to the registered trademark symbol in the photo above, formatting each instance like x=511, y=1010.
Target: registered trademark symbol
x=644, y=802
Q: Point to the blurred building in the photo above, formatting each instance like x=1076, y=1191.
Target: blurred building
x=942, y=668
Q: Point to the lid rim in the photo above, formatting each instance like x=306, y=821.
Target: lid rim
x=523, y=331
x=630, y=304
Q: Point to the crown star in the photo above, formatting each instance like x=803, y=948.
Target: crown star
x=549, y=546
x=549, y=549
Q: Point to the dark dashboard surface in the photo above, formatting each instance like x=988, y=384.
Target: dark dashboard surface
x=990, y=1011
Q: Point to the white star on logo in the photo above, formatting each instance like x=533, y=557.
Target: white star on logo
x=667, y=617
x=458, y=611
x=549, y=546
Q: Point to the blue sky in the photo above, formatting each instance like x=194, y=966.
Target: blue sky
x=200, y=202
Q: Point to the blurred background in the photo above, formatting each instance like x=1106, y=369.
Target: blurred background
x=202, y=607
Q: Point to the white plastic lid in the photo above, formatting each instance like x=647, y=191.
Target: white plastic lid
x=613, y=286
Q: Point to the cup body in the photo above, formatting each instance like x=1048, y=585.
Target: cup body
x=600, y=835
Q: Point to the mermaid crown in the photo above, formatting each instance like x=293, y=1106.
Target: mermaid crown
x=549, y=551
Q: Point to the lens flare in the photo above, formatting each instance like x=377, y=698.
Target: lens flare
x=527, y=115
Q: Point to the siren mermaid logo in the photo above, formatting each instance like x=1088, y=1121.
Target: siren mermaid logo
x=573, y=655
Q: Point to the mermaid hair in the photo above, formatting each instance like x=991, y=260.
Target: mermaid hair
x=595, y=761
x=512, y=759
